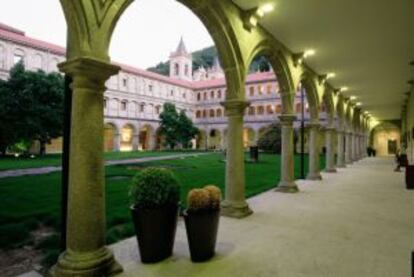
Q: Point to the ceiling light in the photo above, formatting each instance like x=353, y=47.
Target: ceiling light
x=330, y=75
x=344, y=89
x=358, y=103
x=253, y=21
x=308, y=53
x=352, y=98
x=266, y=8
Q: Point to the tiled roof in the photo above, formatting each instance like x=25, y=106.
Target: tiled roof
x=12, y=34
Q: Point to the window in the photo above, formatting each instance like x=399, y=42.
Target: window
x=199, y=96
x=279, y=108
x=212, y=113
x=184, y=95
x=141, y=107
x=125, y=82
x=269, y=89
x=269, y=109
x=212, y=94
x=260, y=110
x=219, y=113
x=252, y=111
x=219, y=94
x=251, y=91
x=2, y=56
x=105, y=103
x=150, y=88
x=172, y=93
x=18, y=56
x=204, y=113
x=186, y=69
x=176, y=69
x=157, y=109
x=260, y=89
x=205, y=96
x=123, y=105
x=198, y=114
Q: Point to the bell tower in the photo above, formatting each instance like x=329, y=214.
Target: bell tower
x=181, y=63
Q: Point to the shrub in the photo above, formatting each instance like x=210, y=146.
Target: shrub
x=270, y=139
x=207, y=198
x=154, y=188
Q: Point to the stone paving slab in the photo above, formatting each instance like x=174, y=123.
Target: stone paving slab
x=357, y=222
x=50, y=169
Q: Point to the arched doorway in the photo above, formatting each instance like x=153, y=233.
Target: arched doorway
x=110, y=133
x=127, y=138
x=146, y=138
x=201, y=140
x=214, y=139
x=249, y=137
x=386, y=139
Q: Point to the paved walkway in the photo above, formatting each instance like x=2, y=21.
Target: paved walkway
x=358, y=222
x=50, y=169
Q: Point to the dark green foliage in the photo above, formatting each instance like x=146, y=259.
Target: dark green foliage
x=176, y=128
x=31, y=107
x=154, y=187
x=12, y=235
x=205, y=57
x=270, y=139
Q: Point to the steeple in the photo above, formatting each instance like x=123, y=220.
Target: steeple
x=181, y=63
x=181, y=50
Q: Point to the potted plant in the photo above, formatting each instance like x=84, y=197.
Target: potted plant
x=201, y=222
x=155, y=194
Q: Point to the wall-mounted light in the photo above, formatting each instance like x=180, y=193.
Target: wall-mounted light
x=352, y=98
x=358, y=104
x=342, y=89
x=299, y=57
x=323, y=78
x=251, y=17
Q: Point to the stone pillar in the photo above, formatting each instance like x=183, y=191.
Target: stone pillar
x=222, y=140
x=135, y=142
x=340, y=158
x=353, y=148
x=86, y=254
x=117, y=142
x=314, y=172
x=348, y=146
x=330, y=153
x=234, y=203
x=152, y=141
x=287, y=178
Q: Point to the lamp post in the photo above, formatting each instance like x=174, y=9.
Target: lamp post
x=302, y=134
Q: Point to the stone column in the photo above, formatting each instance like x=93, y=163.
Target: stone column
x=287, y=176
x=222, y=140
x=234, y=203
x=353, y=148
x=348, y=150
x=86, y=254
x=152, y=141
x=135, y=142
x=117, y=142
x=330, y=153
x=314, y=172
x=340, y=158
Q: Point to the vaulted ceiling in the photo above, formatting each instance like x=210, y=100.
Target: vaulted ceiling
x=369, y=44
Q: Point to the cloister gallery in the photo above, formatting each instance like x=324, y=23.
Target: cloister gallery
x=230, y=109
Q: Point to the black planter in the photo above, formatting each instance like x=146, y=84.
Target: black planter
x=202, y=233
x=409, y=176
x=155, y=230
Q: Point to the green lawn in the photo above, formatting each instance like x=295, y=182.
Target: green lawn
x=10, y=162
x=26, y=201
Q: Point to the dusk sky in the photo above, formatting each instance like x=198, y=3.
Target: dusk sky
x=146, y=34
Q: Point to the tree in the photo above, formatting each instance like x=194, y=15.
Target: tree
x=186, y=130
x=31, y=106
x=270, y=140
x=176, y=127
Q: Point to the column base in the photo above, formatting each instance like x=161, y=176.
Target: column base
x=98, y=263
x=330, y=170
x=235, y=210
x=314, y=177
x=286, y=187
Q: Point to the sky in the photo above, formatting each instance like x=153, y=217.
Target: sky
x=145, y=35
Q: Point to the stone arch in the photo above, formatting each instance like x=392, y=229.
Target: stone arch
x=327, y=99
x=111, y=133
x=340, y=112
x=308, y=83
x=386, y=137
x=147, y=137
x=277, y=58
x=214, y=138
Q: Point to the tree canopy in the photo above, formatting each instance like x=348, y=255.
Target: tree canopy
x=176, y=127
x=31, y=107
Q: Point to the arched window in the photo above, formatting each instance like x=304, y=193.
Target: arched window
x=37, y=61
x=219, y=94
x=142, y=107
x=204, y=113
x=252, y=110
x=212, y=113
x=198, y=114
x=124, y=105
x=260, y=110
x=199, y=96
x=212, y=94
x=19, y=56
x=260, y=89
x=205, y=95
x=269, y=89
x=176, y=69
x=278, y=108
x=186, y=70
x=219, y=113
x=157, y=109
x=298, y=107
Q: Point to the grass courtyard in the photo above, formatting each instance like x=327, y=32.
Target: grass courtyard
x=33, y=201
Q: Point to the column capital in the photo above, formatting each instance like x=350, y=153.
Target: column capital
x=287, y=118
x=235, y=107
x=92, y=68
